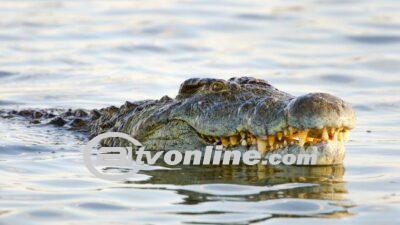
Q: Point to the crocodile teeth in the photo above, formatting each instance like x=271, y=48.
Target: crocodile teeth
x=281, y=139
x=302, y=137
x=346, y=135
x=225, y=142
x=233, y=140
x=261, y=145
x=340, y=136
x=253, y=140
x=335, y=136
x=279, y=135
x=271, y=140
x=325, y=135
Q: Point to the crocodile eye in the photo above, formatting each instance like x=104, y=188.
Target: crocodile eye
x=217, y=86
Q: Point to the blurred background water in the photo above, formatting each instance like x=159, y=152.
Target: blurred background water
x=90, y=54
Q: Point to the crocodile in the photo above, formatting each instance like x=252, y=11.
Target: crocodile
x=240, y=113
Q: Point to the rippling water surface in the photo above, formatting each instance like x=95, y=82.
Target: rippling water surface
x=92, y=54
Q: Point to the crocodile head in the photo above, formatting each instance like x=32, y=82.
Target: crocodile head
x=241, y=113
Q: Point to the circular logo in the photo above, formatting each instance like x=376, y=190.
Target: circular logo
x=111, y=157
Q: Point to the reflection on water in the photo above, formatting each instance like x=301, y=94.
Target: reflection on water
x=251, y=181
x=262, y=192
x=95, y=53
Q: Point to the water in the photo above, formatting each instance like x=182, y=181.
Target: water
x=93, y=54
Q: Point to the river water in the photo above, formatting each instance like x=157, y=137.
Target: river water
x=90, y=54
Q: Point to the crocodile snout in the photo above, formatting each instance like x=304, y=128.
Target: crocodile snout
x=318, y=110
